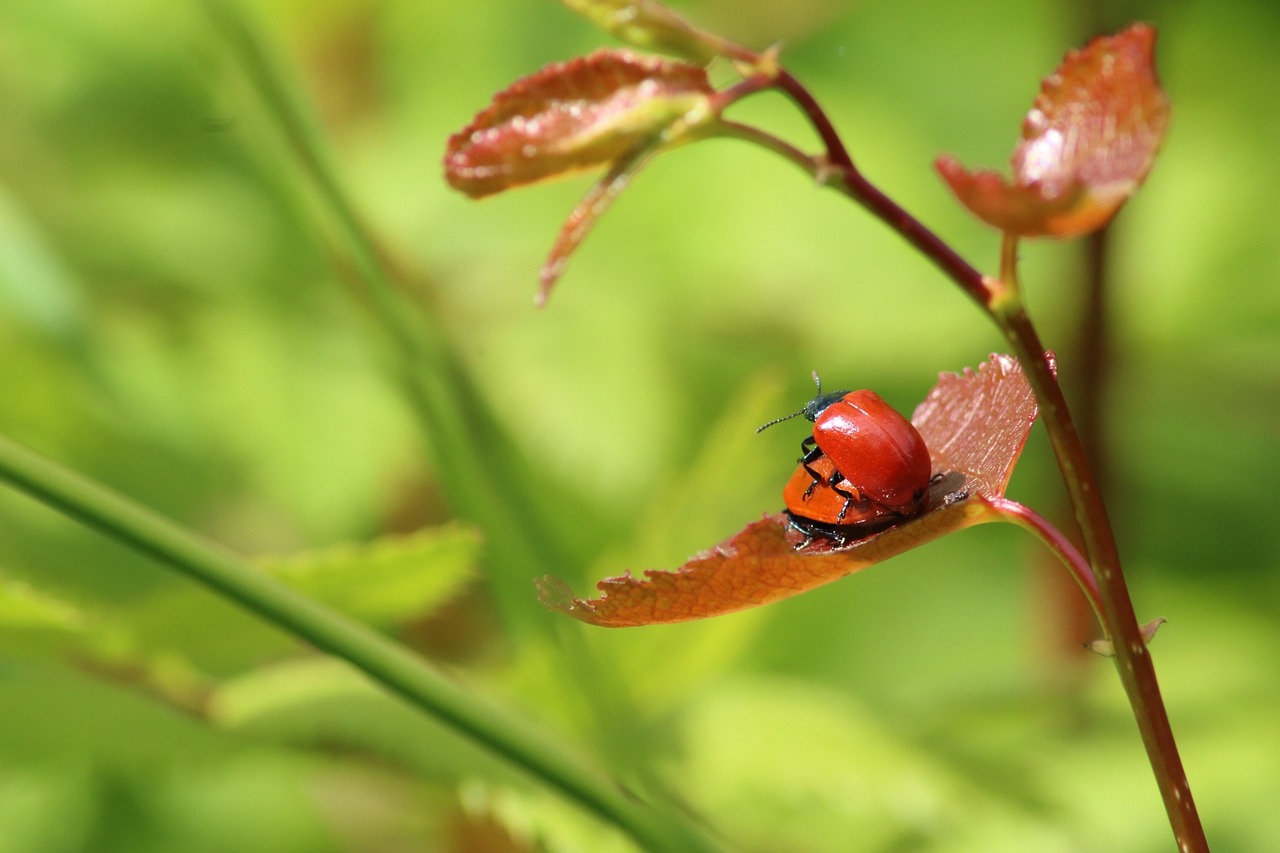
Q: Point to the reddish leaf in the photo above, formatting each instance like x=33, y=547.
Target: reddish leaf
x=587, y=112
x=1087, y=144
x=757, y=566
x=648, y=24
x=975, y=424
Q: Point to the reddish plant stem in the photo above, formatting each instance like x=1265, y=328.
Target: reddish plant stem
x=880, y=205
x=1133, y=660
x=837, y=154
x=1057, y=542
x=1002, y=302
x=1088, y=390
x=1093, y=354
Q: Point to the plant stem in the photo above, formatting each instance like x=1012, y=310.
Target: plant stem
x=384, y=661
x=1000, y=299
x=530, y=526
x=486, y=478
x=1060, y=545
x=1090, y=355
x=1133, y=659
x=1093, y=350
x=888, y=211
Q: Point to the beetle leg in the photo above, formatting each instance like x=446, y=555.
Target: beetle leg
x=851, y=495
x=800, y=528
x=849, y=498
x=811, y=455
x=834, y=482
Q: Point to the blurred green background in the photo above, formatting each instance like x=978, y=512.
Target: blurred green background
x=175, y=322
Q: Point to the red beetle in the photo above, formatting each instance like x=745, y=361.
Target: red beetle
x=864, y=466
x=833, y=504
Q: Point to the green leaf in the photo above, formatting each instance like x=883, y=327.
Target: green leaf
x=650, y=25
x=91, y=765
x=792, y=766
x=323, y=701
x=382, y=582
x=387, y=580
x=37, y=625
x=48, y=714
x=36, y=287
x=24, y=608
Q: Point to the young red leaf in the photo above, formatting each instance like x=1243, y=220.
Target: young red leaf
x=650, y=25
x=975, y=425
x=1087, y=143
x=587, y=112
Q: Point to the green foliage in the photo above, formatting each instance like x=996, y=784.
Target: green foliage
x=387, y=581
x=34, y=621
x=172, y=322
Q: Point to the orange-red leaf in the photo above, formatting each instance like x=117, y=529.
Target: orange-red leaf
x=587, y=112
x=975, y=425
x=1087, y=143
x=976, y=422
x=757, y=566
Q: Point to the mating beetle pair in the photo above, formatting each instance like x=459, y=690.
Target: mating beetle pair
x=864, y=467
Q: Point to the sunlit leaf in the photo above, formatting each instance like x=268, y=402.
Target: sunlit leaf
x=384, y=582
x=43, y=712
x=761, y=743
x=36, y=286
x=389, y=579
x=975, y=424
x=1087, y=143
x=585, y=113
x=34, y=621
x=319, y=700
x=22, y=607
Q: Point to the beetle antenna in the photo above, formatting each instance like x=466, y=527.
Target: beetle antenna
x=793, y=414
x=779, y=420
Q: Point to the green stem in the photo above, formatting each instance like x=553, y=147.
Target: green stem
x=381, y=659
x=486, y=479
x=779, y=146
x=485, y=476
